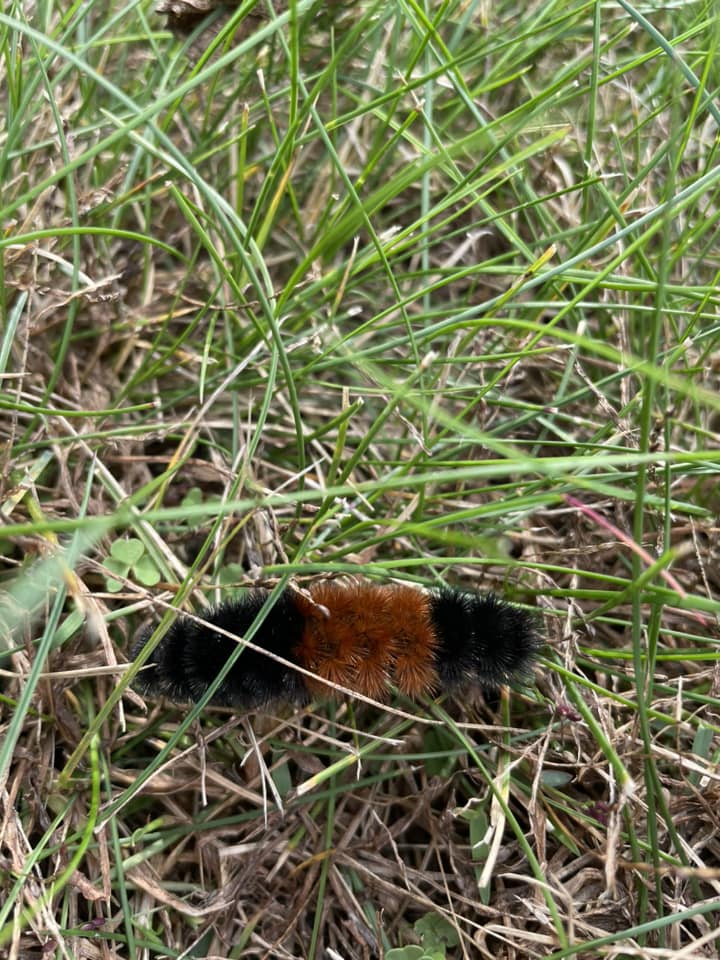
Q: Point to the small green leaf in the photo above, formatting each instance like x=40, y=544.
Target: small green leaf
x=128, y=551
x=442, y=749
x=479, y=825
x=555, y=778
x=436, y=933
x=411, y=952
x=113, y=586
x=114, y=565
x=702, y=747
x=282, y=778
x=230, y=574
x=146, y=572
x=193, y=497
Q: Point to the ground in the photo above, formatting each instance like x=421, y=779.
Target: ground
x=399, y=292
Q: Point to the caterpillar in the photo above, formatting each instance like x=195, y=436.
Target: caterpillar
x=361, y=635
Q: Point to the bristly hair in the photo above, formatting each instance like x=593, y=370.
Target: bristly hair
x=482, y=639
x=191, y=655
x=361, y=635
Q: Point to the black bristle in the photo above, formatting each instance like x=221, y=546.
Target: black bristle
x=482, y=640
x=191, y=655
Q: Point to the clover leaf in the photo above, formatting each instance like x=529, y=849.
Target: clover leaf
x=129, y=559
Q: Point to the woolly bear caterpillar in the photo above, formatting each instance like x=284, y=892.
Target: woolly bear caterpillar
x=362, y=635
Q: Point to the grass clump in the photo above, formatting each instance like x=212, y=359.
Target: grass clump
x=413, y=291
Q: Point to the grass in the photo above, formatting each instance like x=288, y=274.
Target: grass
x=413, y=291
